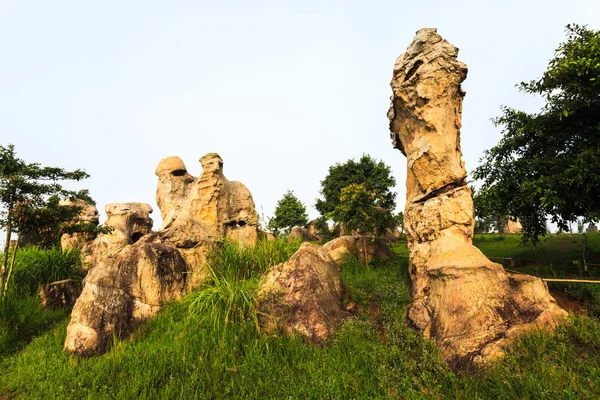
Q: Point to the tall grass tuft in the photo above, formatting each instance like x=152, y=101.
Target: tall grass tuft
x=21, y=315
x=35, y=266
x=229, y=296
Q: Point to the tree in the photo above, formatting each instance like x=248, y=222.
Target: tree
x=289, y=212
x=25, y=187
x=547, y=164
x=363, y=210
x=366, y=184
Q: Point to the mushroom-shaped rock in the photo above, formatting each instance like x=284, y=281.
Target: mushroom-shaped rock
x=467, y=303
x=302, y=295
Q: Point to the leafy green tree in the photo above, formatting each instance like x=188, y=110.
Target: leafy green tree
x=547, y=164
x=365, y=180
x=25, y=187
x=363, y=210
x=289, y=212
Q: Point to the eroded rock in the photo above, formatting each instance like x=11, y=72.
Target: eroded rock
x=364, y=248
x=302, y=295
x=467, y=303
x=136, y=272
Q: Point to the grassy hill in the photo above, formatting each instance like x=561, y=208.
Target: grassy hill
x=187, y=354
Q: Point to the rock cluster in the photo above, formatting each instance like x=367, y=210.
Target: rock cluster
x=136, y=271
x=467, y=303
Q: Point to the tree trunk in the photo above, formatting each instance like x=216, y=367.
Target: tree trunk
x=6, y=245
x=467, y=303
x=12, y=265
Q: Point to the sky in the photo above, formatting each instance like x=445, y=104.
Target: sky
x=281, y=90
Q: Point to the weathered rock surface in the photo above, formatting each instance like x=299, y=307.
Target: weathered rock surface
x=467, y=303
x=365, y=248
x=136, y=272
x=300, y=233
x=129, y=222
x=512, y=227
x=592, y=228
x=60, y=294
x=174, y=185
x=303, y=295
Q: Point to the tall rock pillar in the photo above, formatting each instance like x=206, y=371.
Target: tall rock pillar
x=467, y=303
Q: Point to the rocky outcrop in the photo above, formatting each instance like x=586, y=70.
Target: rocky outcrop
x=136, y=272
x=467, y=303
x=302, y=295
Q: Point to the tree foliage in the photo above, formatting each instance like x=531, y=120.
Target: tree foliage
x=289, y=212
x=363, y=210
x=24, y=192
x=547, y=164
x=366, y=183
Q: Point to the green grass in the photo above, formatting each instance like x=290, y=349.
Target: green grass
x=21, y=315
x=193, y=349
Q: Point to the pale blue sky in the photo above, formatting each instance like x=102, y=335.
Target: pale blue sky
x=280, y=89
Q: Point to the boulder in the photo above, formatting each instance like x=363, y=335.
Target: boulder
x=512, y=227
x=302, y=295
x=300, y=233
x=365, y=248
x=137, y=271
x=60, y=294
x=592, y=228
x=341, y=248
x=123, y=290
x=467, y=303
x=81, y=240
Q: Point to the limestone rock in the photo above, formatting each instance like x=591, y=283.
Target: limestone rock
x=60, y=294
x=123, y=290
x=129, y=221
x=592, y=228
x=303, y=295
x=467, y=303
x=512, y=227
x=341, y=248
x=174, y=185
x=365, y=248
x=300, y=233
x=137, y=271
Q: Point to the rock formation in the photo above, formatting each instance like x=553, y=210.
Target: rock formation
x=467, y=303
x=137, y=271
x=512, y=227
x=129, y=222
x=365, y=248
x=302, y=295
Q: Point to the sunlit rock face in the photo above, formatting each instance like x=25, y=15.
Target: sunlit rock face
x=136, y=271
x=302, y=295
x=467, y=303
